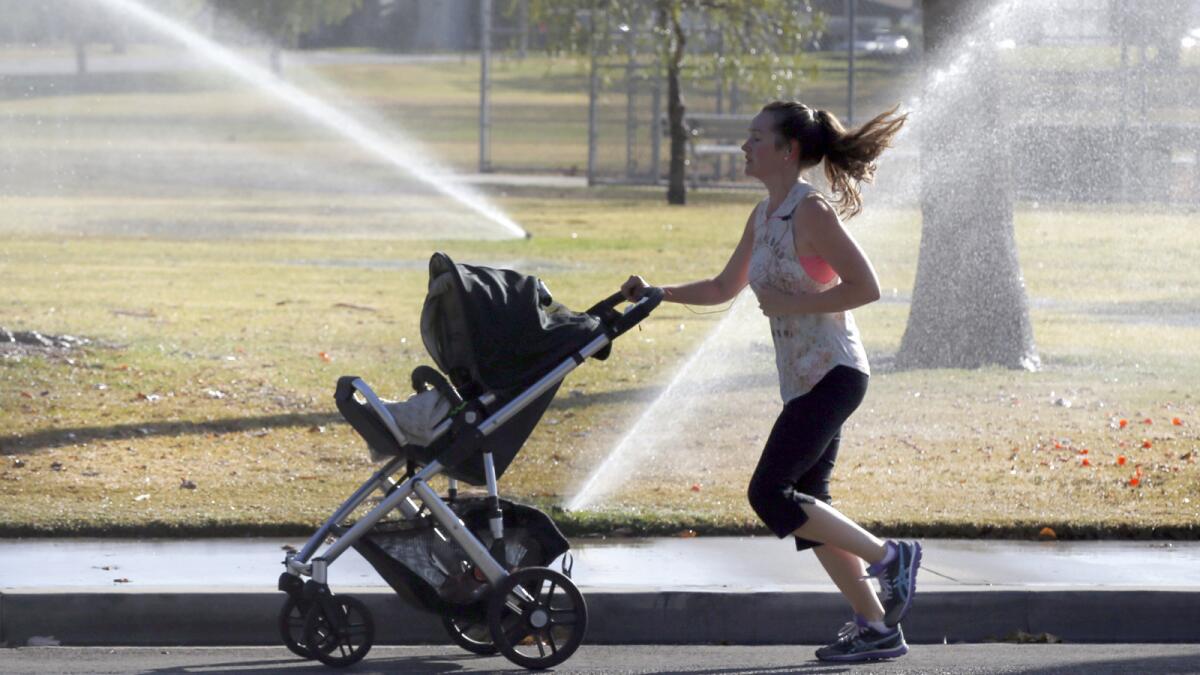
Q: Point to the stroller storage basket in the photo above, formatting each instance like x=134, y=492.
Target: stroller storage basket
x=428, y=568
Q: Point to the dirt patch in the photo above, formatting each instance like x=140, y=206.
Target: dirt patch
x=27, y=343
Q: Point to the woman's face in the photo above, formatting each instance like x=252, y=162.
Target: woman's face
x=763, y=158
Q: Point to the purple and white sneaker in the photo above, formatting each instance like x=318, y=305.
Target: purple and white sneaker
x=857, y=641
x=897, y=579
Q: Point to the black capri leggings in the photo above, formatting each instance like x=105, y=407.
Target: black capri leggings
x=798, y=459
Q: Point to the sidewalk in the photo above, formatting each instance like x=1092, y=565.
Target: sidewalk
x=706, y=590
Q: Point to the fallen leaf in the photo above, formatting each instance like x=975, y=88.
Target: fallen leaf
x=1120, y=460
x=1146, y=444
x=1176, y=421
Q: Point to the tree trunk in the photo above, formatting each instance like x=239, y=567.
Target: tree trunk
x=81, y=60
x=276, y=59
x=969, y=307
x=677, y=174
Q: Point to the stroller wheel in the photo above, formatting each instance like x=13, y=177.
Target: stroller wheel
x=470, y=633
x=537, y=617
x=291, y=626
x=338, y=630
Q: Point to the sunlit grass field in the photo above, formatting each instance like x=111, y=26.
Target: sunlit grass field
x=229, y=263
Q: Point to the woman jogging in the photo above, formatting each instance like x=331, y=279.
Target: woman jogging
x=808, y=273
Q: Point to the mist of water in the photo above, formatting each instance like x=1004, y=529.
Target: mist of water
x=1083, y=106
x=400, y=153
x=699, y=420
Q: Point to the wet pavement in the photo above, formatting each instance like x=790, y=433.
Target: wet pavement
x=703, y=563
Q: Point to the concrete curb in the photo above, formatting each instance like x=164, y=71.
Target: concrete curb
x=88, y=617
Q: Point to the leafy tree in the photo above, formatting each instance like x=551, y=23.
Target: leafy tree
x=759, y=42
x=969, y=307
x=282, y=21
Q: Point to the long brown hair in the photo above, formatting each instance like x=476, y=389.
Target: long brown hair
x=849, y=154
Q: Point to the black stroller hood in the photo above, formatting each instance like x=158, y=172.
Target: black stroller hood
x=497, y=329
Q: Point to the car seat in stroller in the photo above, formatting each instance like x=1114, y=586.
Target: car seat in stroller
x=505, y=347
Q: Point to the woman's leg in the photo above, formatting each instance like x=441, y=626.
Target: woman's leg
x=793, y=472
x=847, y=572
x=827, y=525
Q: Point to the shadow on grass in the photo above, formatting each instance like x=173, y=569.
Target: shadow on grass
x=21, y=86
x=65, y=436
x=56, y=438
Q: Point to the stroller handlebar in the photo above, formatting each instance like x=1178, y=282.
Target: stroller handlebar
x=620, y=323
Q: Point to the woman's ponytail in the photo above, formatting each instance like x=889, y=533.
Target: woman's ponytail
x=849, y=155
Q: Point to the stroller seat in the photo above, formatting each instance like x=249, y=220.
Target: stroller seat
x=493, y=333
x=405, y=429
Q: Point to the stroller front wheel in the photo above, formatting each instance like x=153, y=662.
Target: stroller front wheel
x=291, y=626
x=338, y=630
x=537, y=617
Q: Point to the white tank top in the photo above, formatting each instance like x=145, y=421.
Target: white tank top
x=807, y=346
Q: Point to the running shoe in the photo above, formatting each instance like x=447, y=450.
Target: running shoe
x=897, y=580
x=857, y=641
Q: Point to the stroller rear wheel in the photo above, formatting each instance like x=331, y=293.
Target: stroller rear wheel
x=537, y=617
x=338, y=630
x=291, y=626
x=470, y=632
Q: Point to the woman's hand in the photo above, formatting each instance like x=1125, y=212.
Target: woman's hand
x=633, y=288
x=774, y=303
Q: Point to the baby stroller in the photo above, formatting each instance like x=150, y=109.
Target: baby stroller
x=505, y=346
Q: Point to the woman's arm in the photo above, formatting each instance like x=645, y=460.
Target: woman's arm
x=828, y=238
x=721, y=288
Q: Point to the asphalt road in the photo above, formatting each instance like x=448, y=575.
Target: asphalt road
x=713, y=660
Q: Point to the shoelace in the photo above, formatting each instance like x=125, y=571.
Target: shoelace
x=850, y=631
x=885, y=588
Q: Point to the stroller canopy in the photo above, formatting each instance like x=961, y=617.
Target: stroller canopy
x=495, y=328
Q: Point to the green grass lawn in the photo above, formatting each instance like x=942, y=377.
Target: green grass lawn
x=229, y=264
x=215, y=363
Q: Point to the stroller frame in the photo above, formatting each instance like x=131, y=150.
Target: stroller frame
x=314, y=595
